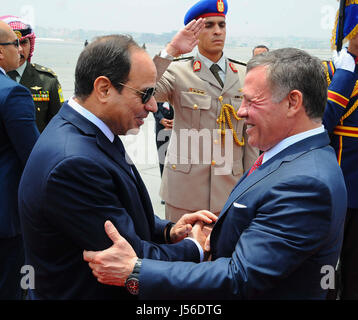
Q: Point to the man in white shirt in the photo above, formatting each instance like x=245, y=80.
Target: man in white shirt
x=280, y=232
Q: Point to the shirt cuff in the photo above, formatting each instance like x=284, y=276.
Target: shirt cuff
x=201, y=251
x=164, y=54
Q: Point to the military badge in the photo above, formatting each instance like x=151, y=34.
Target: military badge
x=60, y=94
x=233, y=67
x=220, y=6
x=36, y=88
x=42, y=96
x=197, y=66
x=18, y=34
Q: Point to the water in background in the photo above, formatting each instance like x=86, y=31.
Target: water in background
x=61, y=56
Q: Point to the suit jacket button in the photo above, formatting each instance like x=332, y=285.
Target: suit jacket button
x=213, y=163
x=174, y=166
x=195, y=107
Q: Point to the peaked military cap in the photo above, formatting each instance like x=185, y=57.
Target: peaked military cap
x=206, y=8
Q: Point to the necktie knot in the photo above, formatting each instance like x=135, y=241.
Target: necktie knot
x=13, y=74
x=215, y=71
x=257, y=164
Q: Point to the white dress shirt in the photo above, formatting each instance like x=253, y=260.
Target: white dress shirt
x=285, y=143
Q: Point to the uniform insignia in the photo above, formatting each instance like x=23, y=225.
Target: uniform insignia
x=220, y=6
x=18, y=33
x=197, y=66
x=197, y=91
x=42, y=96
x=36, y=88
x=233, y=67
x=60, y=94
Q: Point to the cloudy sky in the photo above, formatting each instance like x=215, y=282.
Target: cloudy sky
x=311, y=18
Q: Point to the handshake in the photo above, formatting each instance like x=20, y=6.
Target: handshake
x=114, y=265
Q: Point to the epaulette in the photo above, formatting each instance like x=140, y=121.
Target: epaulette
x=237, y=62
x=44, y=69
x=183, y=58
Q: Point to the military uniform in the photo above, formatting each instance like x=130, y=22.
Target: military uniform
x=341, y=121
x=202, y=177
x=46, y=92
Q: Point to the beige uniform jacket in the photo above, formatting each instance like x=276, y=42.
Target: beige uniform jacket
x=201, y=168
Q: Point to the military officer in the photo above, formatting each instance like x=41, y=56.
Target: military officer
x=208, y=151
x=341, y=121
x=41, y=81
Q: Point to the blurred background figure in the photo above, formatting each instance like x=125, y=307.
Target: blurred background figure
x=41, y=81
x=259, y=49
x=18, y=134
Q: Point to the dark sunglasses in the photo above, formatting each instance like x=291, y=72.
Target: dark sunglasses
x=16, y=43
x=146, y=95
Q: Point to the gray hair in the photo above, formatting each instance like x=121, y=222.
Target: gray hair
x=293, y=69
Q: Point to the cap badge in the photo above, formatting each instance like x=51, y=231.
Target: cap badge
x=18, y=34
x=220, y=6
x=197, y=66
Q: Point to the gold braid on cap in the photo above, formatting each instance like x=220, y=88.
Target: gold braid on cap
x=225, y=116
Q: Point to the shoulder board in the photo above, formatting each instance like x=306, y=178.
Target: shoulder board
x=183, y=59
x=44, y=69
x=237, y=62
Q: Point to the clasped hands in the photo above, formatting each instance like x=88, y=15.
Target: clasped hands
x=113, y=265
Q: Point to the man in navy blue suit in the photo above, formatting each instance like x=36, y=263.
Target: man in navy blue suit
x=18, y=134
x=79, y=175
x=280, y=232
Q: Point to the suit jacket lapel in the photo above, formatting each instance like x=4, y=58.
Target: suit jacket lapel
x=89, y=129
x=288, y=154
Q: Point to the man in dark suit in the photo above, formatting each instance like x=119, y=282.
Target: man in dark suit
x=18, y=134
x=280, y=232
x=78, y=176
x=41, y=81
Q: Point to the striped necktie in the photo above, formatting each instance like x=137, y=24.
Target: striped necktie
x=257, y=163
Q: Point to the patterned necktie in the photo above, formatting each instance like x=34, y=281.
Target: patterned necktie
x=13, y=74
x=257, y=163
x=215, y=71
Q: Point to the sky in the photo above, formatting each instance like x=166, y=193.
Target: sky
x=304, y=18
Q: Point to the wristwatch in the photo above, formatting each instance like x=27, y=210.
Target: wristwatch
x=132, y=282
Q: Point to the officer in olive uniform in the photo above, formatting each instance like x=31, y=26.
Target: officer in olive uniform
x=208, y=151
x=41, y=81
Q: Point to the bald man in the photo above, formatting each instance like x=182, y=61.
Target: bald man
x=18, y=134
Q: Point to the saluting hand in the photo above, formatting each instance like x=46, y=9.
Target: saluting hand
x=186, y=39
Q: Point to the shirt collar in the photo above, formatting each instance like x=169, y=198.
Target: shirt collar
x=20, y=70
x=285, y=143
x=92, y=118
x=221, y=63
x=3, y=71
